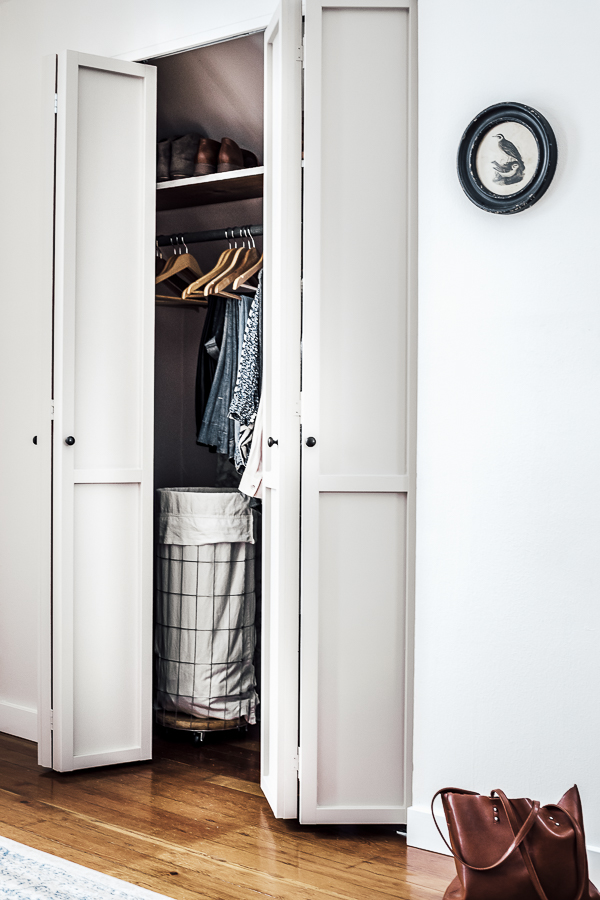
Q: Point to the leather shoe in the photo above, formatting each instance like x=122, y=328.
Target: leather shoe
x=207, y=157
x=250, y=159
x=183, y=155
x=230, y=156
x=163, y=160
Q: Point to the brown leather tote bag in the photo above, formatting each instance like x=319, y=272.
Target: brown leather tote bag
x=514, y=849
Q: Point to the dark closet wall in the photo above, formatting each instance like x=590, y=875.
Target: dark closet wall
x=216, y=91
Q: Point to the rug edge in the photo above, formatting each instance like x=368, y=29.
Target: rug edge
x=60, y=863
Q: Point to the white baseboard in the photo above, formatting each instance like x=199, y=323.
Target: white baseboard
x=18, y=720
x=422, y=833
x=594, y=863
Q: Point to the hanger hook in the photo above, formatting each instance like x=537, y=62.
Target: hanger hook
x=184, y=244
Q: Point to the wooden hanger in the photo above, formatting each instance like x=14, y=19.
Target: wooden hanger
x=222, y=264
x=181, y=272
x=170, y=259
x=243, y=264
x=233, y=262
x=177, y=301
x=244, y=276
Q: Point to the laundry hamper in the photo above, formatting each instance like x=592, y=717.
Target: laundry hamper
x=204, y=629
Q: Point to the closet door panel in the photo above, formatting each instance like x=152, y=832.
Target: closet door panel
x=280, y=398
x=103, y=394
x=361, y=631
x=108, y=314
x=358, y=403
x=363, y=239
x=106, y=624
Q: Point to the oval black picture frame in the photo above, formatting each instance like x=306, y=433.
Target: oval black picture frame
x=494, y=116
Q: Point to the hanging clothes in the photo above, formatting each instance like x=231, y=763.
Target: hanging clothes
x=251, y=483
x=246, y=396
x=244, y=311
x=208, y=354
x=217, y=429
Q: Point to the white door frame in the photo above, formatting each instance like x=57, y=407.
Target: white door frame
x=281, y=408
x=201, y=39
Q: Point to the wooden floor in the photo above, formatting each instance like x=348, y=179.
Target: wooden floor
x=193, y=824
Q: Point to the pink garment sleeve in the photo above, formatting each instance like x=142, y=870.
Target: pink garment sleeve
x=251, y=483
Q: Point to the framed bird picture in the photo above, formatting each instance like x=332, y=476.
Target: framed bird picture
x=507, y=158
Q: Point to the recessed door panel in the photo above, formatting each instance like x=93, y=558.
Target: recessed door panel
x=107, y=627
x=361, y=631
x=109, y=272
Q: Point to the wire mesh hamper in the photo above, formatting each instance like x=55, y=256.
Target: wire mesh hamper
x=204, y=629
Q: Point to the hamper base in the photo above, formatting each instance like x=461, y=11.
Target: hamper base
x=184, y=722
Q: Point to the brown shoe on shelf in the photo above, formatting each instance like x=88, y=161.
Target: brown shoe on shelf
x=250, y=159
x=163, y=160
x=183, y=155
x=230, y=156
x=207, y=157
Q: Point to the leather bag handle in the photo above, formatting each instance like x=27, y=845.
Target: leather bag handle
x=517, y=838
x=579, y=842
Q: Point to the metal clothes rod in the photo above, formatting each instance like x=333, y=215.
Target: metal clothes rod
x=217, y=234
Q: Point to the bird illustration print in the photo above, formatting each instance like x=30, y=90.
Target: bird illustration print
x=512, y=171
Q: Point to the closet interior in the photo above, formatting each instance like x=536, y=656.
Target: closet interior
x=207, y=571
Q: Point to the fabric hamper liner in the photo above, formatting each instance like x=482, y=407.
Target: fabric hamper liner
x=205, y=604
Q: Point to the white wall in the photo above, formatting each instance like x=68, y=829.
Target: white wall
x=508, y=586
x=508, y=531
x=30, y=30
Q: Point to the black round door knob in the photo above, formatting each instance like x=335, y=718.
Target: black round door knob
x=35, y=439
x=272, y=441
x=70, y=440
x=311, y=441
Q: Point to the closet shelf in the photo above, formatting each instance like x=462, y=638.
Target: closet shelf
x=223, y=187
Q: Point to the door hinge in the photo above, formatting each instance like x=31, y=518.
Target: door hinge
x=51, y=720
x=55, y=104
x=52, y=409
x=300, y=54
x=296, y=762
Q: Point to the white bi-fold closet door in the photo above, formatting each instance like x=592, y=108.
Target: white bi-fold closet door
x=338, y=521
x=101, y=605
x=358, y=410
x=103, y=415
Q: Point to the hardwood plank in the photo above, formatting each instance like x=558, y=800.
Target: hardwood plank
x=248, y=745
x=193, y=824
x=237, y=784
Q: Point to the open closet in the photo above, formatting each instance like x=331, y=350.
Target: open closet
x=332, y=236
x=208, y=319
